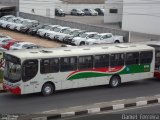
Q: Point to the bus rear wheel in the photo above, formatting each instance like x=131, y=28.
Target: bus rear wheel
x=47, y=89
x=115, y=81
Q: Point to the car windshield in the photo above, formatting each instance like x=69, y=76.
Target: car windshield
x=57, y=29
x=12, y=70
x=92, y=10
x=78, y=10
x=18, y=21
x=66, y=31
x=60, y=10
x=74, y=32
x=83, y=35
x=96, y=36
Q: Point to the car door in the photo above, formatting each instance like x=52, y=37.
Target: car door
x=108, y=38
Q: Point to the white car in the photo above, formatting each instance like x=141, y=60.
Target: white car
x=9, y=20
x=17, y=22
x=21, y=45
x=43, y=32
x=5, y=18
x=4, y=37
x=51, y=34
x=104, y=38
x=25, y=23
x=62, y=35
x=82, y=38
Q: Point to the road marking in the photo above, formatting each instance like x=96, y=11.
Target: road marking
x=132, y=108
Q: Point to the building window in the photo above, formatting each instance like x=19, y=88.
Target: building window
x=113, y=10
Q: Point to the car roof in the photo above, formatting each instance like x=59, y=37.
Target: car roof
x=91, y=32
x=104, y=33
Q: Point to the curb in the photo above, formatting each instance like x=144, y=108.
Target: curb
x=121, y=104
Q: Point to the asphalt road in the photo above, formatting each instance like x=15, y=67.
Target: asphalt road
x=35, y=103
x=138, y=113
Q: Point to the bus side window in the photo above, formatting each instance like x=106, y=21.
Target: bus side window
x=50, y=65
x=101, y=61
x=30, y=69
x=132, y=58
x=146, y=57
x=85, y=62
x=117, y=59
x=68, y=64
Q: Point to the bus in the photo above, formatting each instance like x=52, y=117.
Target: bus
x=46, y=70
x=156, y=45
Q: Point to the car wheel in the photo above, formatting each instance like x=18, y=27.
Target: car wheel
x=82, y=43
x=117, y=41
x=47, y=89
x=115, y=81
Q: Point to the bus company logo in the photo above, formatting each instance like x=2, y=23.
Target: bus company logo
x=127, y=69
x=146, y=68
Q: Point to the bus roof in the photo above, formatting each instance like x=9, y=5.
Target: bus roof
x=77, y=50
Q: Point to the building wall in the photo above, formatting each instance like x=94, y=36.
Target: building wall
x=141, y=16
x=39, y=7
x=11, y=3
x=113, y=17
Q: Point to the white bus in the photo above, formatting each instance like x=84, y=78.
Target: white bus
x=49, y=69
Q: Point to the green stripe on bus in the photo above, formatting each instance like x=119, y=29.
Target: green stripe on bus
x=127, y=70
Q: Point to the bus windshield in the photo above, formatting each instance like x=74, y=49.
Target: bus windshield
x=12, y=71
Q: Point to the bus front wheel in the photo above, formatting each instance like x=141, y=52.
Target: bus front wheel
x=47, y=89
x=115, y=81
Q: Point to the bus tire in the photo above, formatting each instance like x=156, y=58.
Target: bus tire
x=115, y=81
x=47, y=89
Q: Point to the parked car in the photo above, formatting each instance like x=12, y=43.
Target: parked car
x=51, y=34
x=60, y=36
x=5, y=23
x=4, y=41
x=8, y=44
x=4, y=37
x=104, y=38
x=12, y=25
x=59, y=12
x=90, y=12
x=100, y=11
x=68, y=39
x=82, y=38
x=77, y=12
x=23, y=45
x=5, y=18
x=28, y=24
x=33, y=30
x=43, y=32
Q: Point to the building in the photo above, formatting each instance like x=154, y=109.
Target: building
x=135, y=15
x=39, y=7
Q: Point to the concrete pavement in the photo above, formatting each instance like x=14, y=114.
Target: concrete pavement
x=94, y=108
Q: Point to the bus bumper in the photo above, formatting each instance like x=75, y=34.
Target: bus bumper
x=157, y=75
x=14, y=90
